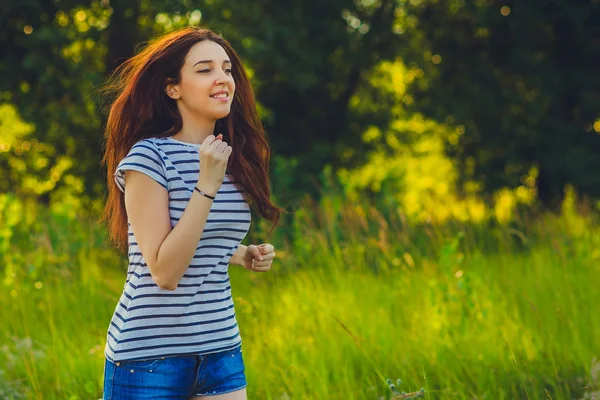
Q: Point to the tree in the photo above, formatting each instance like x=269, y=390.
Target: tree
x=521, y=78
x=307, y=60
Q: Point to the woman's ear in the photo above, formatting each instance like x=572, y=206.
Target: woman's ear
x=172, y=90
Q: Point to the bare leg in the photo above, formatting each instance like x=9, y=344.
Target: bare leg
x=237, y=395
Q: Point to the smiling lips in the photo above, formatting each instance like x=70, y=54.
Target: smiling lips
x=222, y=96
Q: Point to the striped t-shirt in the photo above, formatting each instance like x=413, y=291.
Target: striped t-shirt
x=198, y=317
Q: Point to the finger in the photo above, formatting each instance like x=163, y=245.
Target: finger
x=220, y=148
x=209, y=140
x=256, y=253
x=218, y=142
x=261, y=268
x=266, y=248
x=262, y=264
x=268, y=256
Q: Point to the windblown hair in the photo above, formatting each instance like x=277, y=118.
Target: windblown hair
x=141, y=109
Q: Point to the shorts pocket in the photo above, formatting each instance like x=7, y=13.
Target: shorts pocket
x=148, y=363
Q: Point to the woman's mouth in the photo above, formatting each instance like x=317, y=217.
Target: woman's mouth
x=223, y=97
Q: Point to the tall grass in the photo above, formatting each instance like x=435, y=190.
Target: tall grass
x=357, y=295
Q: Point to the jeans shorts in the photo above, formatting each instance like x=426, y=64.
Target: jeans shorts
x=175, y=377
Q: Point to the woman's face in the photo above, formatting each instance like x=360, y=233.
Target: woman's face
x=206, y=87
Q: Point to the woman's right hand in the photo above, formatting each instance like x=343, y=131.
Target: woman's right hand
x=214, y=154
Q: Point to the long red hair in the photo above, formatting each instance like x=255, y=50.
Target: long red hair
x=141, y=109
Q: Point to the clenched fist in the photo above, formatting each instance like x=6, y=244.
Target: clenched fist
x=259, y=258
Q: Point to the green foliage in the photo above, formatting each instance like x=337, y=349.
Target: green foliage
x=53, y=62
x=498, y=88
x=387, y=235
x=33, y=169
x=305, y=70
x=38, y=244
x=462, y=310
x=520, y=79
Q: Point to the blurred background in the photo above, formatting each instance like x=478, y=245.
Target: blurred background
x=439, y=160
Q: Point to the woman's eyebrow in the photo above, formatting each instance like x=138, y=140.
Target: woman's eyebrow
x=210, y=61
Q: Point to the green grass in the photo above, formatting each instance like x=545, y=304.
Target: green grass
x=464, y=311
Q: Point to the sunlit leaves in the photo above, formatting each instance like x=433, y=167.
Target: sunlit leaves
x=33, y=169
x=408, y=161
x=170, y=21
x=12, y=127
x=510, y=75
x=61, y=18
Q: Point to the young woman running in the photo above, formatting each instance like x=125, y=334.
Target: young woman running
x=179, y=202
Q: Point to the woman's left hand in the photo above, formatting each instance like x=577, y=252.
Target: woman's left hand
x=259, y=258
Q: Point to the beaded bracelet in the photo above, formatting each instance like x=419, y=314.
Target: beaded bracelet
x=203, y=194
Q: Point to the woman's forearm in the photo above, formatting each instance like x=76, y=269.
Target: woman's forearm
x=238, y=256
x=178, y=248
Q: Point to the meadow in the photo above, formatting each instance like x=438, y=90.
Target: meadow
x=360, y=295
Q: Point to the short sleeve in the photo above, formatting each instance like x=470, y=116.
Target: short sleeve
x=145, y=158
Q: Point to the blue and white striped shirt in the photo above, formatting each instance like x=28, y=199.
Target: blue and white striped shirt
x=198, y=317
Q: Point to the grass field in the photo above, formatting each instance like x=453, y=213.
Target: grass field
x=465, y=311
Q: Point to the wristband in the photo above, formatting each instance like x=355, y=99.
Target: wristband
x=203, y=194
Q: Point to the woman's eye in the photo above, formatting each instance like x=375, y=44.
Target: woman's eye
x=208, y=70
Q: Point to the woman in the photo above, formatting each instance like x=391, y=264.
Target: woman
x=179, y=200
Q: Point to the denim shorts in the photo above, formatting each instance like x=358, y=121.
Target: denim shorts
x=175, y=377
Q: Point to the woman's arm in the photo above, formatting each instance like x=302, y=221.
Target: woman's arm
x=167, y=251
x=238, y=256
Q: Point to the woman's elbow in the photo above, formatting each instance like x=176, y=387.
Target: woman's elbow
x=163, y=284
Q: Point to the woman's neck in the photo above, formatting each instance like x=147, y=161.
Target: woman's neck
x=195, y=130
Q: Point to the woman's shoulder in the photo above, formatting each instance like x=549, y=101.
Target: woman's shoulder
x=146, y=146
x=154, y=145
x=153, y=142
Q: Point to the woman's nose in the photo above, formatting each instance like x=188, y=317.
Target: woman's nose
x=223, y=78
